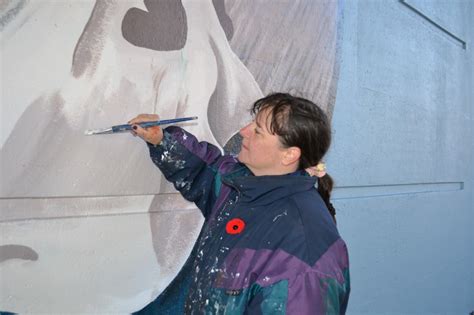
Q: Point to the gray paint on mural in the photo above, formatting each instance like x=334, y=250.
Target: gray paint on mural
x=179, y=227
x=224, y=18
x=13, y=251
x=289, y=45
x=9, y=10
x=88, y=50
x=163, y=26
x=223, y=112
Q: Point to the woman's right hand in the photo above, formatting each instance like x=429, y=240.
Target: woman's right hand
x=153, y=135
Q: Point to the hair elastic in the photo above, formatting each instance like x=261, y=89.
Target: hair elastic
x=319, y=170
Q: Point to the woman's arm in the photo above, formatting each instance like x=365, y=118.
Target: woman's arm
x=192, y=166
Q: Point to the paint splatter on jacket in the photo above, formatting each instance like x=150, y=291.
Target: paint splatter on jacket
x=268, y=244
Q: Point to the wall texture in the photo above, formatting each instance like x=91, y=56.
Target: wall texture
x=403, y=153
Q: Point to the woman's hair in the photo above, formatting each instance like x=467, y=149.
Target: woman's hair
x=300, y=123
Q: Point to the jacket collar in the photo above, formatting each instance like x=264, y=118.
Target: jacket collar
x=265, y=189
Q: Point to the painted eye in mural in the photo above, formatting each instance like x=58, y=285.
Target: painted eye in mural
x=235, y=226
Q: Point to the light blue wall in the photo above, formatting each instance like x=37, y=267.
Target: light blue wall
x=402, y=155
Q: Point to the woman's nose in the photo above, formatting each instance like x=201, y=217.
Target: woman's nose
x=244, y=132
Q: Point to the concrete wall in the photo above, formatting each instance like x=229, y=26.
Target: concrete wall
x=403, y=153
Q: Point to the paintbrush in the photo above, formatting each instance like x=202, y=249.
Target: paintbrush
x=128, y=127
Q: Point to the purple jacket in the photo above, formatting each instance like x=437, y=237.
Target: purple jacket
x=268, y=244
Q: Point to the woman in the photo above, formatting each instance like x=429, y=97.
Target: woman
x=269, y=243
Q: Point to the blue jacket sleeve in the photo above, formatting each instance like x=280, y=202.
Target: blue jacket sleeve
x=192, y=166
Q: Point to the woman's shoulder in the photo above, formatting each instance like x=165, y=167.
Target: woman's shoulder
x=319, y=231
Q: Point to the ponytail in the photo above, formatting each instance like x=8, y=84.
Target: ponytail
x=325, y=185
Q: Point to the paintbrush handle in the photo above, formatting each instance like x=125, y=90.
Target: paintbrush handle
x=127, y=127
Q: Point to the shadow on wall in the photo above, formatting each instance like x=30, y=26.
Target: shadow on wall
x=174, y=58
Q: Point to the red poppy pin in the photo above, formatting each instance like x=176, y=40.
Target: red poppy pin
x=235, y=226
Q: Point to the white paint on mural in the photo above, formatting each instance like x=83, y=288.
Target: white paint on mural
x=66, y=68
x=36, y=53
x=85, y=265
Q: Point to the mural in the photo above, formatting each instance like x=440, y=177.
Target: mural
x=87, y=222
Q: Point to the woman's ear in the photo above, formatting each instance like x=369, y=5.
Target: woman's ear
x=291, y=156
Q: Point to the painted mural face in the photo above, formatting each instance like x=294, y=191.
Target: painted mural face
x=80, y=210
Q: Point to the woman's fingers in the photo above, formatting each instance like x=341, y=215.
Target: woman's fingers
x=139, y=131
x=143, y=118
x=152, y=135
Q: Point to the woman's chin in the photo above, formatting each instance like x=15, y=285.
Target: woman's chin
x=241, y=158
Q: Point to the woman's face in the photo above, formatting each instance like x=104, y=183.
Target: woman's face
x=261, y=151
